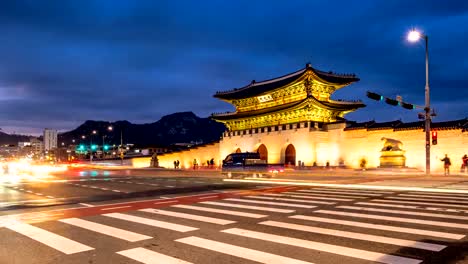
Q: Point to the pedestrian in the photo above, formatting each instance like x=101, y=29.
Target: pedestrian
x=175, y=164
x=178, y=164
x=195, y=164
x=464, y=166
x=447, y=164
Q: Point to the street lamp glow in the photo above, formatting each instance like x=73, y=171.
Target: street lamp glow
x=414, y=35
x=110, y=128
x=94, y=132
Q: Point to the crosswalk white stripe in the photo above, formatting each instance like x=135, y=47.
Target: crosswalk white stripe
x=396, y=219
x=354, y=190
x=147, y=256
x=308, y=197
x=339, y=250
x=428, y=200
x=342, y=192
x=219, y=211
x=289, y=200
x=418, y=207
x=106, y=230
x=151, y=222
x=200, y=218
x=50, y=239
x=269, y=203
x=268, y=209
x=359, y=236
x=327, y=195
x=423, y=203
x=439, y=194
x=456, y=217
x=241, y=252
x=381, y=227
x=434, y=196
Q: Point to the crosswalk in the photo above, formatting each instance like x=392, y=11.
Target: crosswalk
x=342, y=225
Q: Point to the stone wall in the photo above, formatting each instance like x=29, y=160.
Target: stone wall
x=186, y=157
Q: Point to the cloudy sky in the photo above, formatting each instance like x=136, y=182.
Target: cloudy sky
x=63, y=62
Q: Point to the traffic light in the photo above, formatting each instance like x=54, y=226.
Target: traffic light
x=93, y=147
x=408, y=106
x=81, y=148
x=434, y=137
x=106, y=147
x=374, y=96
x=391, y=101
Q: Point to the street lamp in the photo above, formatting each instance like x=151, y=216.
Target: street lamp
x=414, y=36
x=110, y=128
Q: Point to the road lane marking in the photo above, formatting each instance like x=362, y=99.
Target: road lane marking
x=289, y=200
x=200, y=218
x=208, y=197
x=268, y=209
x=286, y=194
x=395, y=219
x=219, y=211
x=87, y=205
x=240, y=252
x=437, y=209
x=269, y=203
x=166, y=202
x=357, y=190
x=151, y=222
x=50, y=239
x=146, y=256
x=118, y=207
x=116, y=191
x=381, y=227
x=358, y=236
x=49, y=196
x=338, y=250
x=456, y=217
x=169, y=186
x=106, y=230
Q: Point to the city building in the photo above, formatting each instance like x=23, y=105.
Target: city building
x=50, y=139
x=293, y=120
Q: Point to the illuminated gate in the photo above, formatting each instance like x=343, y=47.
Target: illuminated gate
x=262, y=150
x=290, y=156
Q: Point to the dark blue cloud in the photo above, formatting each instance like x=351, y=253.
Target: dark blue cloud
x=63, y=62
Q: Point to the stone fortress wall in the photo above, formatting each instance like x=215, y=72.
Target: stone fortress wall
x=330, y=143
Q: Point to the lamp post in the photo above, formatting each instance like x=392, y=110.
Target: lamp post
x=414, y=36
x=110, y=128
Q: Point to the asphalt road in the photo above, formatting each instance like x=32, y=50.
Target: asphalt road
x=234, y=224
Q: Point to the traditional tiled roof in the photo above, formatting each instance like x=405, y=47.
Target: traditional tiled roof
x=256, y=88
x=398, y=125
x=340, y=106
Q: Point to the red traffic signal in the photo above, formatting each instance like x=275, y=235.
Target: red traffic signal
x=434, y=137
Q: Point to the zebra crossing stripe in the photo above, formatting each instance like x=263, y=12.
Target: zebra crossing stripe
x=269, y=203
x=189, y=216
x=428, y=200
x=50, y=239
x=359, y=236
x=289, y=194
x=441, y=194
x=422, y=203
x=434, y=196
x=381, y=227
x=147, y=256
x=339, y=250
x=151, y=222
x=106, y=230
x=357, y=190
x=219, y=211
x=340, y=192
x=456, y=217
x=289, y=200
x=268, y=209
x=396, y=219
x=241, y=252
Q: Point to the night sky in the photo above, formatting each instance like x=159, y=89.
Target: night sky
x=64, y=62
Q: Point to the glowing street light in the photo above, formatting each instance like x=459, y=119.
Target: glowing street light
x=414, y=36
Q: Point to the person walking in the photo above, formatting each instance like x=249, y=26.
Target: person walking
x=464, y=166
x=447, y=164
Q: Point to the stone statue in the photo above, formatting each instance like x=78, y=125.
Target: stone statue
x=391, y=144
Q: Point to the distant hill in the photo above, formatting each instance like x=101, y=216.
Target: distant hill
x=6, y=139
x=184, y=127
